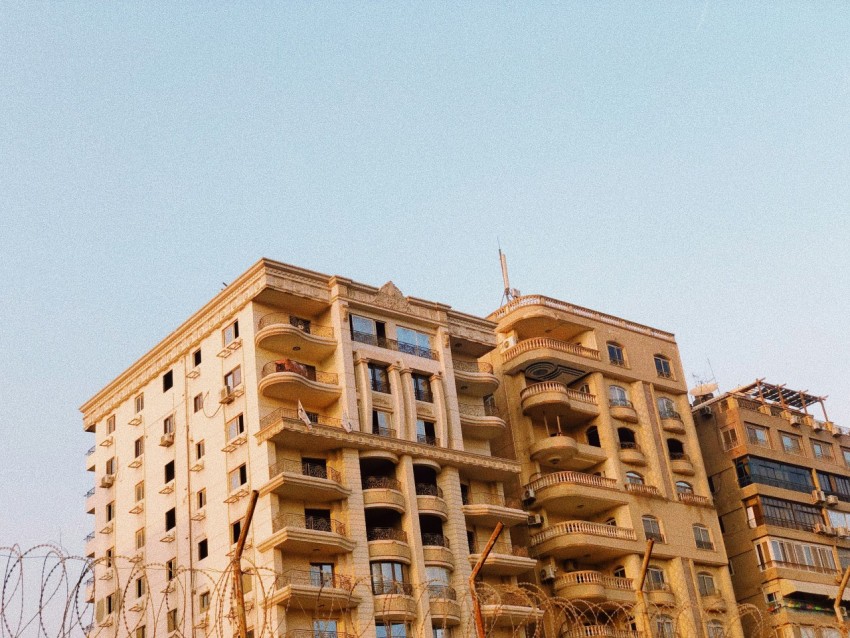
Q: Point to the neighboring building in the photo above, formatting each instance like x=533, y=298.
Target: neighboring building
x=600, y=418
x=369, y=516
x=781, y=485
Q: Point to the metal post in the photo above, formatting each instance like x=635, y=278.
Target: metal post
x=241, y=622
x=644, y=612
x=476, y=606
x=842, y=626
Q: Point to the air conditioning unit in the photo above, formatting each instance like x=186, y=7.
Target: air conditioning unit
x=535, y=520
x=508, y=343
x=829, y=530
x=819, y=528
x=226, y=395
x=528, y=496
x=548, y=573
x=817, y=427
x=167, y=440
x=108, y=480
x=818, y=497
x=843, y=532
x=831, y=500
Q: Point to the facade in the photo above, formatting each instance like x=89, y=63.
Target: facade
x=601, y=422
x=358, y=414
x=781, y=479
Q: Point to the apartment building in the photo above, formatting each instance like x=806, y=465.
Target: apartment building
x=600, y=420
x=365, y=421
x=781, y=483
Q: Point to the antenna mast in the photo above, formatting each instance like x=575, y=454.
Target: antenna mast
x=509, y=293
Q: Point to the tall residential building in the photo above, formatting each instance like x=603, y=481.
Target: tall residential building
x=364, y=420
x=781, y=485
x=601, y=423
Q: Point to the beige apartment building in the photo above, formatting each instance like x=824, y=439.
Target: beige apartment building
x=601, y=422
x=359, y=415
x=781, y=483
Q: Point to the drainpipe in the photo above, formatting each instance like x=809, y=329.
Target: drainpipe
x=242, y=623
x=644, y=612
x=842, y=626
x=476, y=606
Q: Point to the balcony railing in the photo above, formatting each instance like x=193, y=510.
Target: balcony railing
x=314, y=470
x=656, y=585
x=473, y=366
x=428, y=489
x=389, y=433
x=392, y=344
x=642, y=489
x=306, y=326
x=428, y=439
x=555, y=386
x=743, y=481
x=545, y=343
x=678, y=456
x=309, y=373
x=576, y=478
x=381, y=587
x=386, y=534
x=600, y=631
x=381, y=483
x=479, y=410
x=790, y=524
x=313, y=579
x=316, y=633
x=693, y=499
x=288, y=414
x=808, y=568
x=314, y=523
x=620, y=403
x=670, y=414
x=485, y=498
x=629, y=445
x=430, y=539
x=507, y=598
x=585, y=527
x=594, y=577
x=442, y=592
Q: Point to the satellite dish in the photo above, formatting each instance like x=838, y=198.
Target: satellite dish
x=703, y=390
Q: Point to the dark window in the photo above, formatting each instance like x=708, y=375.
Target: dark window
x=169, y=471
x=790, y=477
x=379, y=378
x=425, y=432
x=592, y=435
x=615, y=354
x=235, y=530
x=422, y=388
x=168, y=381
x=198, y=402
x=171, y=569
x=775, y=511
x=170, y=519
x=196, y=358
x=203, y=550
x=662, y=366
x=835, y=485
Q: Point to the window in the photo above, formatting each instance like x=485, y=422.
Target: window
x=715, y=629
x=202, y=498
x=204, y=601
x=592, y=436
x=379, y=378
x=683, y=487
x=382, y=423
x=425, y=432
x=776, y=511
x=200, y=448
x=203, y=549
x=702, y=537
x=627, y=439
x=440, y=632
x=823, y=451
x=140, y=403
x=366, y=330
x=238, y=477
x=169, y=471
x=140, y=491
x=667, y=409
x=705, y=583
x=324, y=629
x=322, y=574
x=110, y=424
x=171, y=620
x=390, y=630
x=110, y=603
x=652, y=529
x=775, y=552
x=138, y=447
x=619, y=571
x=140, y=586
x=662, y=367
x=790, y=477
x=618, y=396
x=655, y=579
x=110, y=511
x=835, y=485
x=140, y=538
x=757, y=435
x=168, y=381
x=140, y=632
x=110, y=465
x=235, y=531
x=235, y=427
x=676, y=450
x=230, y=333
x=615, y=354
x=171, y=569
x=388, y=577
x=633, y=478
x=438, y=581
x=110, y=554
x=791, y=444
x=168, y=425
x=196, y=358
x=198, y=402
x=729, y=437
x=846, y=454
x=422, y=388
x=664, y=627
x=170, y=519
x=233, y=378
x=414, y=342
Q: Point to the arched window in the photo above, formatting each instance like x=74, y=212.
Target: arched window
x=705, y=583
x=683, y=487
x=619, y=571
x=662, y=366
x=667, y=409
x=702, y=538
x=664, y=627
x=652, y=528
x=615, y=354
x=627, y=438
x=617, y=395
x=634, y=478
x=676, y=450
x=715, y=629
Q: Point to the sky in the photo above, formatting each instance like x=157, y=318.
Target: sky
x=683, y=165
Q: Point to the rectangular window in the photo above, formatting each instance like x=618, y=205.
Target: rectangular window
x=202, y=498
x=110, y=511
x=705, y=583
x=110, y=554
x=169, y=471
x=615, y=354
x=168, y=425
x=324, y=629
x=238, y=477
x=140, y=632
x=365, y=330
x=414, y=342
x=140, y=538
x=379, y=378
x=823, y=451
x=200, y=448
x=235, y=427
x=382, y=424
x=425, y=432
x=791, y=444
x=204, y=601
x=662, y=367
x=196, y=358
x=170, y=519
x=168, y=381
x=110, y=424
x=171, y=569
x=110, y=465
x=233, y=378
x=729, y=437
x=140, y=403
x=198, y=402
x=171, y=621
x=203, y=550
x=235, y=531
x=110, y=603
x=140, y=587
x=140, y=491
x=422, y=388
x=138, y=447
x=230, y=333
x=757, y=435
x=322, y=574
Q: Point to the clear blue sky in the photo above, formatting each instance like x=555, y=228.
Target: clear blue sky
x=686, y=165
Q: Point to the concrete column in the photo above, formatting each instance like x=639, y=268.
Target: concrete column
x=409, y=402
x=410, y=524
x=365, y=392
x=439, y=408
x=399, y=404
x=455, y=530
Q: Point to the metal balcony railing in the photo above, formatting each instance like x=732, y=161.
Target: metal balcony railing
x=308, y=372
x=430, y=539
x=428, y=489
x=442, y=592
x=288, y=414
x=382, y=587
x=305, y=325
x=316, y=633
x=386, y=534
x=305, y=468
x=428, y=439
x=314, y=523
x=387, y=432
x=381, y=483
x=392, y=344
x=620, y=403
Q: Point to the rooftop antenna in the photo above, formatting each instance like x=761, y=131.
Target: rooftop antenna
x=509, y=293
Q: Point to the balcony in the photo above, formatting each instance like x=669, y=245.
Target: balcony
x=565, y=453
x=283, y=333
x=272, y=426
x=393, y=600
x=445, y=609
x=487, y=509
x=600, y=631
x=314, y=591
x=671, y=421
x=576, y=493
x=291, y=381
x=714, y=603
x=429, y=500
x=623, y=410
x=660, y=594
x=504, y=559
x=436, y=550
x=384, y=492
x=480, y=421
x=552, y=399
x=508, y=609
x=693, y=499
x=387, y=543
x=297, y=534
x=551, y=353
x=392, y=344
x=681, y=464
x=631, y=453
x=595, y=586
x=474, y=378
x=640, y=489
x=305, y=481
x=576, y=539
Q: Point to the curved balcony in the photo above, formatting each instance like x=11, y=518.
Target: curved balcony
x=623, y=410
x=314, y=591
x=481, y=421
x=680, y=463
x=305, y=481
x=508, y=609
x=576, y=493
x=445, y=609
x=595, y=586
x=714, y=603
x=549, y=354
x=694, y=499
x=393, y=600
x=504, y=559
x=294, y=382
x=631, y=453
x=280, y=332
x=600, y=631
x=552, y=399
x=661, y=595
x=641, y=489
x=565, y=453
x=671, y=421
x=487, y=509
x=387, y=543
x=475, y=378
x=436, y=550
x=383, y=491
x=429, y=500
x=574, y=539
x=297, y=534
